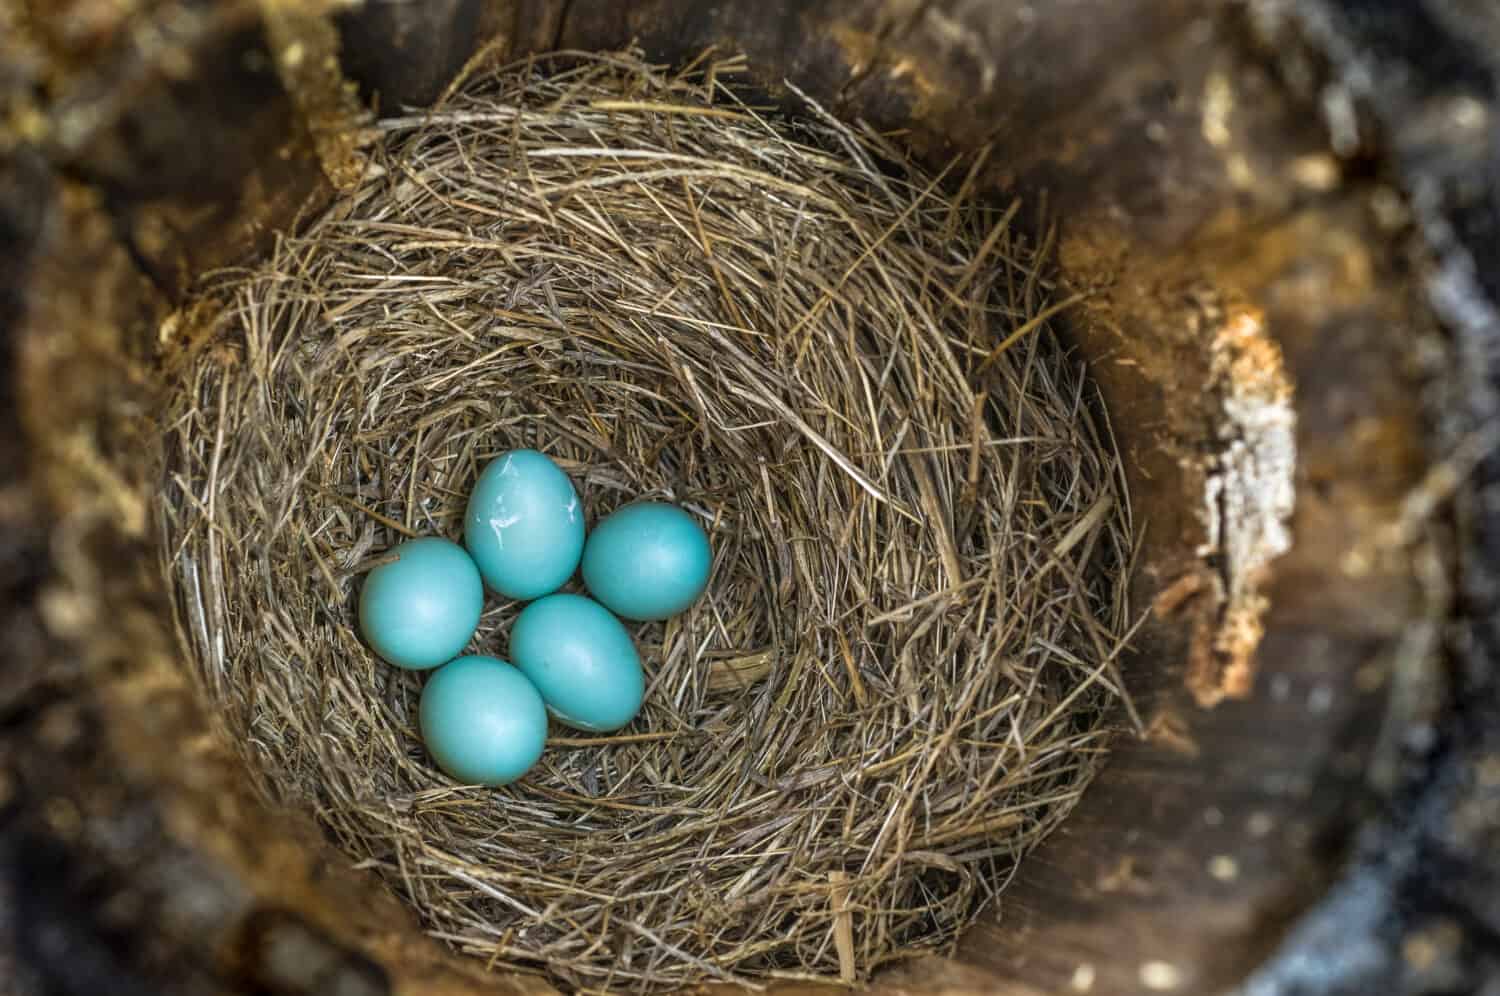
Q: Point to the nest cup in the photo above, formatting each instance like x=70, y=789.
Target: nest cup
x=902, y=674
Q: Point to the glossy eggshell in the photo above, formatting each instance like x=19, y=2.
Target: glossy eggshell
x=581, y=659
x=524, y=525
x=647, y=561
x=420, y=610
x=482, y=721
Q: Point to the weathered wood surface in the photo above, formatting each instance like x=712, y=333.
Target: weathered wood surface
x=1195, y=190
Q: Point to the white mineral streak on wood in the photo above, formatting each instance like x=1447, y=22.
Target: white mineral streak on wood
x=1248, y=499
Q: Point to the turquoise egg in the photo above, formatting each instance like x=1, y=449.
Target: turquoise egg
x=524, y=525
x=647, y=561
x=482, y=721
x=581, y=659
x=420, y=610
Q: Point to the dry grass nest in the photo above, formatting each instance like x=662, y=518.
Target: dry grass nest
x=904, y=669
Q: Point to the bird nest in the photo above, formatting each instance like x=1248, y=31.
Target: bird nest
x=903, y=672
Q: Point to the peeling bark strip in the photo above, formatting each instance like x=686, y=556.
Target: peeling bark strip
x=1247, y=501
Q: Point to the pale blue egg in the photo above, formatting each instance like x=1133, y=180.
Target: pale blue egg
x=524, y=525
x=482, y=721
x=420, y=610
x=581, y=659
x=647, y=561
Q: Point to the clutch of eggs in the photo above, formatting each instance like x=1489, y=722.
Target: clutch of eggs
x=484, y=720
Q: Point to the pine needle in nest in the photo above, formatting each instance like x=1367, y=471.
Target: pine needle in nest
x=902, y=674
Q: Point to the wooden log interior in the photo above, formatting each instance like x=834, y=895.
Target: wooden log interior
x=1237, y=270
